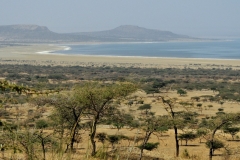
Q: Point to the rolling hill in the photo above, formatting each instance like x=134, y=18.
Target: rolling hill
x=126, y=33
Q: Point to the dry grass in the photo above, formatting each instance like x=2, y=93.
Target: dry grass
x=166, y=149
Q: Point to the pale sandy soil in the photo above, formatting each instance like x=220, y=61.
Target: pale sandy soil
x=29, y=55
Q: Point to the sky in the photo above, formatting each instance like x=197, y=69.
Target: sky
x=200, y=18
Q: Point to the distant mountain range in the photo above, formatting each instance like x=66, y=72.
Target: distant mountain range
x=126, y=33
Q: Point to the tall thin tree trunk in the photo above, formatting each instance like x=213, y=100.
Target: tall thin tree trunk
x=92, y=136
x=73, y=133
x=146, y=138
x=43, y=148
x=211, y=150
x=176, y=141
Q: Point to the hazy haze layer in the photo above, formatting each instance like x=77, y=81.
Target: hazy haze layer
x=194, y=18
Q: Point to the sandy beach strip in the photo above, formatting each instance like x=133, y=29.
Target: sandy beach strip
x=41, y=54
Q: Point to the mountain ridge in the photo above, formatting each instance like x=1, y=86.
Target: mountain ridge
x=130, y=31
x=123, y=33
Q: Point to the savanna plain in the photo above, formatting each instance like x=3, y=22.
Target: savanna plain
x=59, y=107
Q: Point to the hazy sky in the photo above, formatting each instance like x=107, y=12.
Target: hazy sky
x=190, y=17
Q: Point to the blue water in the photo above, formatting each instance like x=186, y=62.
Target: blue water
x=215, y=50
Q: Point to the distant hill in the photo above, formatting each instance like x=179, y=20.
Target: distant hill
x=126, y=33
x=134, y=33
x=35, y=33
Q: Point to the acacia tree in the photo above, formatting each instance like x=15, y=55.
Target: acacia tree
x=98, y=99
x=20, y=141
x=69, y=109
x=119, y=119
x=178, y=119
x=188, y=136
x=181, y=92
x=231, y=130
x=145, y=107
x=217, y=123
x=151, y=124
x=216, y=144
x=201, y=133
x=42, y=137
x=169, y=107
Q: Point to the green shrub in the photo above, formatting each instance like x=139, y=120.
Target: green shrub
x=145, y=107
x=40, y=124
x=149, y=146
x=217, y=144
x=220, y=109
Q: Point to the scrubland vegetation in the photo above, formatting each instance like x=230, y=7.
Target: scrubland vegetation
x=55, y=112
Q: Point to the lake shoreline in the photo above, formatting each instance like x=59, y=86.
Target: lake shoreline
x=222, y=50
x=14, y=55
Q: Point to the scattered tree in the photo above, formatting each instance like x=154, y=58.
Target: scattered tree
x=145, y=107
x=98, y=98
x=215, y=144
x=188, y=136
x=214, y=125
x=113, y=139
x=231, y=130
x=201, y=133
x=181, y=92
